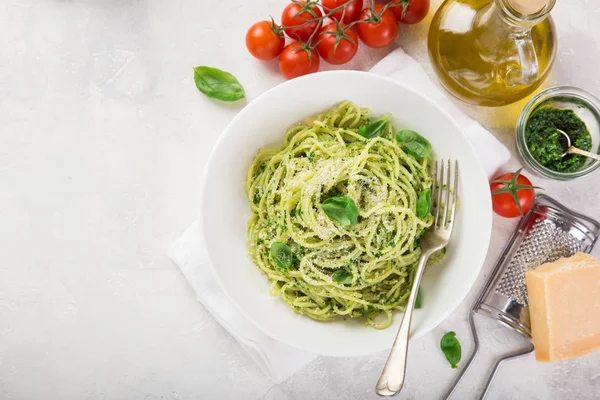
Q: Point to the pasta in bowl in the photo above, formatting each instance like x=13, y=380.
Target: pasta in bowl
x=334, y=257
x=337, y=214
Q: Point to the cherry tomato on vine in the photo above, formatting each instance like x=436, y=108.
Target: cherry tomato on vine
x=416, y=10
x=296, y=16
x=512, y=194
x=296, y=60
x=262, y=42
x=351, y=14
x=337, y=43
x=381, y=28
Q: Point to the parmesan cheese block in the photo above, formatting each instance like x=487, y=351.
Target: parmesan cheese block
x=564, y=307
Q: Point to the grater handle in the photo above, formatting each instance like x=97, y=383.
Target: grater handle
x=508, y=357
x=491, y=377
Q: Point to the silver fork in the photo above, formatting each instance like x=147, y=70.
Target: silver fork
x=392, y=378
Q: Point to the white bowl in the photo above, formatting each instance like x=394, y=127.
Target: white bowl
x=225, y=209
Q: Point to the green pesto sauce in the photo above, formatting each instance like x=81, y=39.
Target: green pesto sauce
x=544, y=141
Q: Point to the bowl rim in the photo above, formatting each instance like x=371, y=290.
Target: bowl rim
x=479, y=171
x=532, y=105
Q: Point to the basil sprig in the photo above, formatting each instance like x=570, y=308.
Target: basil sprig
x=374, y=129
x=341, y=209
x=451, y=348
x=218, y=84
x=424, y=203
x=282, y=254
x=342, y=275
x=414, y=144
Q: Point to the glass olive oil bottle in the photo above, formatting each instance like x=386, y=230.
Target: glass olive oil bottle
x=486, y=52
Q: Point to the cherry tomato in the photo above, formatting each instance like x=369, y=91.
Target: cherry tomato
x=416, y=10
x=294, y=61
x=346, y=48
x=379, y=33
x=505, y=187
x=351, y=14
x=262, y=42
x=295, y=15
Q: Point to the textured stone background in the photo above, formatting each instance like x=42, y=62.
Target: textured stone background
x=103, y=140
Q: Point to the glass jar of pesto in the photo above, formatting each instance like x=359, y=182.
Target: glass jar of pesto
x=539, y=141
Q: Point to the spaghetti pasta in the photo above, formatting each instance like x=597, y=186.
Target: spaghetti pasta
x=360, y=268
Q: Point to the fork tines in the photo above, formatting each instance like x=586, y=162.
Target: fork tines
x=444, y=198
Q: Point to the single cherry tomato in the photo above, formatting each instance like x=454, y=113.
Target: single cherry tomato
x=379, y=29
x=262, y=41
x=337, y=43
x=351, y=13
x=512, y=194
x=416, y=10
x=295, y=17
x=296, y=61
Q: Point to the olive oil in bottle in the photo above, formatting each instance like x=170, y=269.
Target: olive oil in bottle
x=487, y=52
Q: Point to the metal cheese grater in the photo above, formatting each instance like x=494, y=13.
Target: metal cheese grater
x=547, y=232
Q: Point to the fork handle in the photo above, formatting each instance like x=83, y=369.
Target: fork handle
x=392, y=378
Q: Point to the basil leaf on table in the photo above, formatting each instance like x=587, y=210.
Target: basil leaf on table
x=374, y=129
x=451, y=348
x=282, y=254
x=341, y=209
x=424, y=203
x=342, y=275
x=218, y=84
x=414, y=144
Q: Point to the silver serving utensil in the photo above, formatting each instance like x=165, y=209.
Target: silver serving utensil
x=443, y=208
x=570, y=149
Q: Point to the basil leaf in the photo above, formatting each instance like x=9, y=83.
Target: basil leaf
x=282, y=254
x=374, y=129
x=418, y=299
x=443, y=250
x=218, y=84
x=341, y=209
x=414, y=144
x=424, y=203
x=451, y=348
x=367, y=310
x=342, y=275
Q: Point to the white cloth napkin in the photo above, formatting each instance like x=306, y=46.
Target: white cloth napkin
x=278, y=360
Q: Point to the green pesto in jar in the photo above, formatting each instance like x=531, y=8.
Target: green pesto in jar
x=545, y=142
